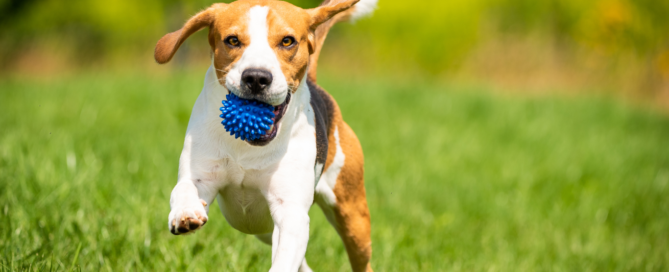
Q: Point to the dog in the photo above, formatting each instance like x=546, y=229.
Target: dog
x=267, y=50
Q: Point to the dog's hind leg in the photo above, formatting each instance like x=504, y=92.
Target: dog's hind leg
x=267, y=239
x=341, y=195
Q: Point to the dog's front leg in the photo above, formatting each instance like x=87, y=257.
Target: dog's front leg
x=290, y=237
x=289, y=208
x=195, y=190
x=190, y=204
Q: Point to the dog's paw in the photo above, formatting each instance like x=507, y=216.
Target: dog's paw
x=187, y=219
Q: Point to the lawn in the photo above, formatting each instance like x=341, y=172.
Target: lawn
x=458, y=179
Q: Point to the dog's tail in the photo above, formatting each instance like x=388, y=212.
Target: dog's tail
x=359, y=10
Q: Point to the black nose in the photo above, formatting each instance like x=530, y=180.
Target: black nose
x=256, y=80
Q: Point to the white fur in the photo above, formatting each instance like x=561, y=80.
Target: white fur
x=362, y=9
x=331, y=174
x=260, y=55
x=325, y=196
x=318, y=170
x=260, y=189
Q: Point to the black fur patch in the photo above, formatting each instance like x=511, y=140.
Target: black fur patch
x=323, y=114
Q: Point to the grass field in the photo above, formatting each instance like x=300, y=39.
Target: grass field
x=458, y=179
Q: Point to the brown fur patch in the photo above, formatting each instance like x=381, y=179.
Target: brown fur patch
x=285, y=20
x=168, y=44
x=351, y=211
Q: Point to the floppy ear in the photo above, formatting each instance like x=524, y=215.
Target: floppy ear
x=328, y=10
x=168, y=44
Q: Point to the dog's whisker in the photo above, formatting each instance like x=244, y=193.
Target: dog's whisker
x=214, y=82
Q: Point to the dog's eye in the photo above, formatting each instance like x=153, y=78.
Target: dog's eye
x=232, y=40
x=287, y=41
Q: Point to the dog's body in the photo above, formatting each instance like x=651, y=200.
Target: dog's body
x=265, y=187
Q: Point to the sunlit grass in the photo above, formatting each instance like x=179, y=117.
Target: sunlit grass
x=457, y=179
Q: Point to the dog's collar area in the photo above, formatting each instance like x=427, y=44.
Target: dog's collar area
x=270, y=134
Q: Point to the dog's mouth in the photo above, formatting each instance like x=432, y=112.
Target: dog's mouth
x=270, y=134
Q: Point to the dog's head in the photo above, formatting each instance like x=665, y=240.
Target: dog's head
x=260, y=48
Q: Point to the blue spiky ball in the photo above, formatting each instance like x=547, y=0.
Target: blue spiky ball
x=246, y=119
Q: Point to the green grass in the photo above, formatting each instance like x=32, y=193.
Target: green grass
x=458, y=179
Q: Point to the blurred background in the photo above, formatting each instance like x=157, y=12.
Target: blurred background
x=499, y=135
x=619, y=46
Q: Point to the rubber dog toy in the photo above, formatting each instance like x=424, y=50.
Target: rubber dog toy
x=246, y=119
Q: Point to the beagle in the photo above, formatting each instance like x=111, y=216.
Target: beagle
x=267, y=50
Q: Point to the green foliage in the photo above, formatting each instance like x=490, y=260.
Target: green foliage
x=457, y=180
x=434, y=35
x=638, y=25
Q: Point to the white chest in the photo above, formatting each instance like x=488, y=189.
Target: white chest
x=242, y=201
x=246, y=176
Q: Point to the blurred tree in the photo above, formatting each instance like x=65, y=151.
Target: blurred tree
x=434, y=36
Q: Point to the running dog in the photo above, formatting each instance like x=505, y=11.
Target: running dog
x=267, y=50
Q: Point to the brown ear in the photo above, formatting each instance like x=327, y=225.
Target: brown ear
x=330, y=8
x=168, y=44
